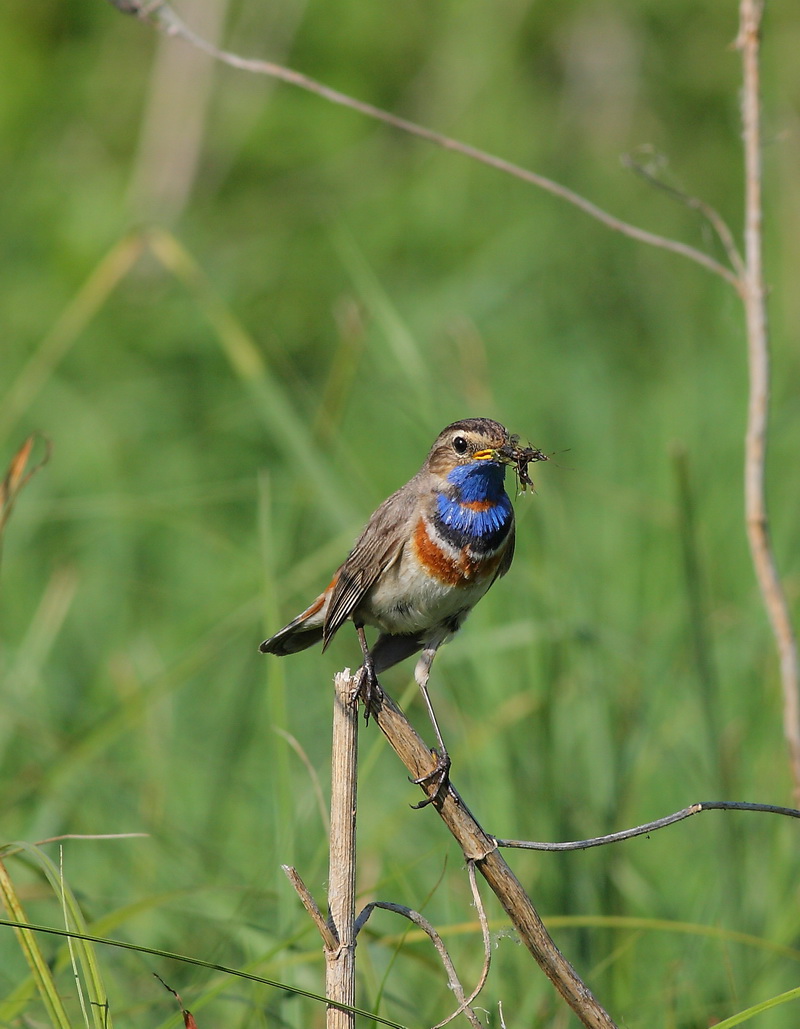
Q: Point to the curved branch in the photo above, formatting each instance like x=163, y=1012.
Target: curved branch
x=165, y=19
x=452, y=978
x=648, y=827
x=711, y=214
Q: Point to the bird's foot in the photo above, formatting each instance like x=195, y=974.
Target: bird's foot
x=438, y=777
x=367, y=689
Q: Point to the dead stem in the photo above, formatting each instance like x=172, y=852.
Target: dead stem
x=755, y=306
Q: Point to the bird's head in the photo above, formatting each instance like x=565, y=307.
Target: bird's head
x=478, y=449
x=473, y=441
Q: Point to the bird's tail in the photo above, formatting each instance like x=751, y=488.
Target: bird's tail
x=303, y=631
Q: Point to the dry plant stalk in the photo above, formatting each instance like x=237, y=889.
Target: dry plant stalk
x=482, y=848
x=338, y=930
x=340, y=962
x=754, y=299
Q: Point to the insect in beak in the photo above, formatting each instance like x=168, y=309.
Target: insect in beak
x=520, y=457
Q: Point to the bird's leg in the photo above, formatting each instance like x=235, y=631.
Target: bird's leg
x=440, y=775
x=367, y=685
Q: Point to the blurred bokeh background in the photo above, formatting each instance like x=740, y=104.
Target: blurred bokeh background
x=241, y=315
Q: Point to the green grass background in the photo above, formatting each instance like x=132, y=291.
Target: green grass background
x=231, y=385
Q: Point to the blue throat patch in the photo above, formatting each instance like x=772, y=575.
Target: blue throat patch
x=477, y=483
x=481, y=480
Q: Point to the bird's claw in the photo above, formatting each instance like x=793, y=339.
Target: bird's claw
x=367, y=689
x=439, y=776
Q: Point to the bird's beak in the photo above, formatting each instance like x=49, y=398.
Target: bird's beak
x=493, y=454
x=508, y=453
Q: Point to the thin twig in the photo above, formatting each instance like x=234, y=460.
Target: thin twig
x=648, y=827
x=487, y=948
x=326, y=931
x=453, y=981
x=712, y=216
x=754, y=300
x=188, y=1018
x=168, y=21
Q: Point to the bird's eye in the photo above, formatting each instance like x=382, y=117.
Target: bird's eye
x=460, y=445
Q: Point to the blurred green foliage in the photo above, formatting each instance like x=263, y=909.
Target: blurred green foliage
x=301, y=299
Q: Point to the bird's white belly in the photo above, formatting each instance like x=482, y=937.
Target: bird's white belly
x=406, y=599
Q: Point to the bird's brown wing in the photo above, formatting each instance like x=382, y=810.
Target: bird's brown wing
x=508, y=556
x=377, y=548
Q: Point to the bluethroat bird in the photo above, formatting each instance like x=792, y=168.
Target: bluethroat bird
x=424, y=560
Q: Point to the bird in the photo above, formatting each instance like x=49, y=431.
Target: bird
x=424, y=559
